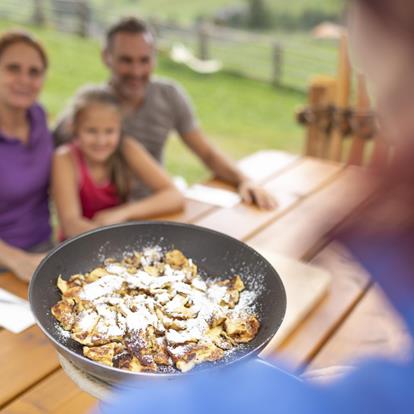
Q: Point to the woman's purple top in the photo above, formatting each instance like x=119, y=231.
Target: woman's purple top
x=24, y=184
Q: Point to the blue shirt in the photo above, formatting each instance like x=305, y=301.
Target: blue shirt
x=380, y=387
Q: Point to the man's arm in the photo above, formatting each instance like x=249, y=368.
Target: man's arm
x=225, y=169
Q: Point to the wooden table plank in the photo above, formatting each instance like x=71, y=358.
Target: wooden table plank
x=56, y=394
x=14, y=285
x=193, y=210
x=26, y=358
x=374, y=329
x=243, y=221
x=261, y=165
x=297, y=233
x=312, y=174
x=348, y=286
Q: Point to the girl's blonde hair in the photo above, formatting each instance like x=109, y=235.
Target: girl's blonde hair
x=84, y=98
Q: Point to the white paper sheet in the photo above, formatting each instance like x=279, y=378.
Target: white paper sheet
x=214, y=196
x=284, y=199
x=15, y=313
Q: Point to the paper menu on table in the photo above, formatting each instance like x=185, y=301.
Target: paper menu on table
x=15, y=313
x=228, y=199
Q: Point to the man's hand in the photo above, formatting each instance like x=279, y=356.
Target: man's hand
x=254, y=194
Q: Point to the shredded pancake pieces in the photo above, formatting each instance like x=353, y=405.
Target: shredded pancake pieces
x=152, y=312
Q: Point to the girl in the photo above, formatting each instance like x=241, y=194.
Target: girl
x=91, y=175
x=26, y=150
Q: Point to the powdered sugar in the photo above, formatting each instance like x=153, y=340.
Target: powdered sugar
x=141, y=319
x=180, y=306
x=104, y=286
x=87, y=320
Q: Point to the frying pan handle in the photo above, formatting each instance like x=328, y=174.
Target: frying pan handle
x=262, y=361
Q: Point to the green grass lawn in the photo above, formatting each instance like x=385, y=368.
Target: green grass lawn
x=241, y=116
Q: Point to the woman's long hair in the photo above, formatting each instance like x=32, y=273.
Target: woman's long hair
x=86, y=96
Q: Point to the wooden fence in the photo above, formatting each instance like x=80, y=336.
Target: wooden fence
x=287, y=60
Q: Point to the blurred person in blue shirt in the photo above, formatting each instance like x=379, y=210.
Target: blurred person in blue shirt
x=382, y=239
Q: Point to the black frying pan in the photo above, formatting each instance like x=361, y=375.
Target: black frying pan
x=216, y=255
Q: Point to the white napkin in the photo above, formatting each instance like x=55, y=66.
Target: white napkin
x=15, y=313
x=215, y=196
x=284, y=199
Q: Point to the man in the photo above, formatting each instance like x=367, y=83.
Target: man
x=153, y=108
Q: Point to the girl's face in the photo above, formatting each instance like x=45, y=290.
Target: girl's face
x=21, y=76
x=98, y=132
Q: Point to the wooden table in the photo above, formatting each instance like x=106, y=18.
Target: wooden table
x=353, y=320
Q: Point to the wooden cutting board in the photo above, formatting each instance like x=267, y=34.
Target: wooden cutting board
x=305, y=286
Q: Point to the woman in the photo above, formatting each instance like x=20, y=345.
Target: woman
x=25, y=155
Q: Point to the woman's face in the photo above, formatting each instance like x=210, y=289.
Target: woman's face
x=387, y=60
x=22, y=73
x=98, y=132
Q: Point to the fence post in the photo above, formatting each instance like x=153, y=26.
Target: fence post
x=277, y=63
x=84, y=17
x=155, y=26
x=39, y=15
x=203, y=41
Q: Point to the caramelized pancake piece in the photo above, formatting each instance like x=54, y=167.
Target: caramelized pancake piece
x=235, y=283
x=220, y=338
x=133, y=260
x=142, y=345
x=176, y=259
x=62, y=284
x=122, y=360
x=72, y=292
x=241, y=329
x=82, y=329
x=234, y=286
x=154, y=270
x=217, y=318
x=63, y=312
x=136, y=366
x=188, y=356
x=95, y=275
x=103, y=354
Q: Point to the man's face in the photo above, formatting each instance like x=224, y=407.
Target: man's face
x=131, y=59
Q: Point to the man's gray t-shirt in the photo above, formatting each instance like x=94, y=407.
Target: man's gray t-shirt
x=166, y=107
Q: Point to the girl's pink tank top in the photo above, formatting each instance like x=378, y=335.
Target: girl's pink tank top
x=93, y=197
